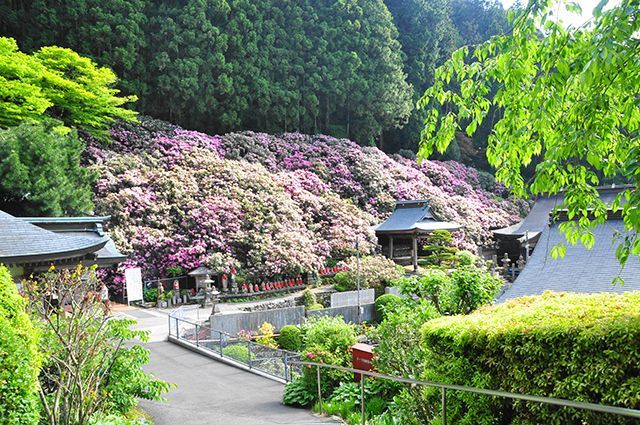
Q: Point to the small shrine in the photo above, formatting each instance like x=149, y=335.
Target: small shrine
x=411, y=220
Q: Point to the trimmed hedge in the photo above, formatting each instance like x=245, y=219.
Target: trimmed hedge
x=20, y=359
x=384, y=303
x=290, y=338
x=573, y=346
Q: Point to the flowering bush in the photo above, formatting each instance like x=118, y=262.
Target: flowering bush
x=375, y=271
x=277, y=204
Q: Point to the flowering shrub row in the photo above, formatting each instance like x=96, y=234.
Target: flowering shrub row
x=277, y=204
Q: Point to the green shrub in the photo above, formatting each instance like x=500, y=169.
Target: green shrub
x=237, y=352
x=309, y=298
x=290, y=338
x=316, y=306
x=298, y=393
x=329, y=333
x=571, y=346
x=347, y=392
x=466, y=258
x=128, y=382
x=385, y=303
x=151, y=295
x=374, y=406
x=20, y=359
x=354, y=418
x=328, y=339
x=334, y=407
x=343, y=282
x=461, y=292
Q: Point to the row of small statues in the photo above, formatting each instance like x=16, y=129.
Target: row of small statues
x=507, y=270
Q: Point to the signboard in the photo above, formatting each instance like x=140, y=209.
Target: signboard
x=133, y=279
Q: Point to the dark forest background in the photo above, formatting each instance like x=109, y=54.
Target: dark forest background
x=348, y=68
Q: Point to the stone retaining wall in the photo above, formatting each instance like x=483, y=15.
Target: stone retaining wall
x=350, y=298
x=350, y=313
x=232, y=323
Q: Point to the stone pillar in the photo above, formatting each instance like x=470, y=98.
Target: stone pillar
x=391, y=247
x=414, y=239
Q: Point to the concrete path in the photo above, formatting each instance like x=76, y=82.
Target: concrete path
x=209, y=392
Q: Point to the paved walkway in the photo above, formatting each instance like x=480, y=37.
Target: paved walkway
x=209, y=392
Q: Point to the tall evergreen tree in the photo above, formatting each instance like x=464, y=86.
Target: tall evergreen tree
x=427, y=36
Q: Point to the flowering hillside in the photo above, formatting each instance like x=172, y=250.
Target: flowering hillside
x=276, y=204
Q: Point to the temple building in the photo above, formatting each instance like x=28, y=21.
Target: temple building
x=32, y=244
x=410, y=221
x=581, y=270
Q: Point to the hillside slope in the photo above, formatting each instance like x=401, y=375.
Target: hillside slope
x=276, y=204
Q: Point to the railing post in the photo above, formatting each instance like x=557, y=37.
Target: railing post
x=319, y=391
x=197, y=337
x=177, y=329
x=220, y=343
x=169, y=324
x=362, y=398
x=444, y=406
x=285, y=359
x=249, y=359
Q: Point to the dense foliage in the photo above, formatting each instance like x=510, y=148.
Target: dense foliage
x=290, y=338
x=587, y=81
x=344, y=68
x=56, y=83
x=385, y=303
x=459, y=292
x=40, y=171
x=277, y=204
x=578, y=347
x=86, y=369
x=19, y=358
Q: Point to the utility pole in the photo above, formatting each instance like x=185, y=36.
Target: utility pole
x=358, y=275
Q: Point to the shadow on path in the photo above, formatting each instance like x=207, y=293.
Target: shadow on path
x=209, y=392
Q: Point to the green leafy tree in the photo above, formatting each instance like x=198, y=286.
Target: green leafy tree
x=19, y=357
x=60, y=84
x=87, y=369
x=569, y=97
x=110, y=32
x=40, y=172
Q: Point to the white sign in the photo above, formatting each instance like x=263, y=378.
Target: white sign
x=133, y=279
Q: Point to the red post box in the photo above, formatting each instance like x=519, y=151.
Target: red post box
x=362, y=354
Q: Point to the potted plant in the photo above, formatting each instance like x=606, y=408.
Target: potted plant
x=185, y=296
x=162, y=301
x=168, y=297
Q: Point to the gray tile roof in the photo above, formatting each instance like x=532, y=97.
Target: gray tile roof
x=581, y=270
x=413, y=215
x=22, y=242
x=538, y=218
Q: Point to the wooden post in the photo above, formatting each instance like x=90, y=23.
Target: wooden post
x=391, y=247
x=415, y=253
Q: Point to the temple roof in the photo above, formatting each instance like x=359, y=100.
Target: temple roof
x=581, y=270
x=22, y=242
x=538, y=218
x=87, y=227
x=414, y=217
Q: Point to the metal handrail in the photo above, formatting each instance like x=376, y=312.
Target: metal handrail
x=622, y=411
x=223, y=339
